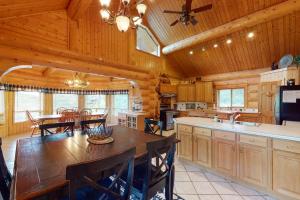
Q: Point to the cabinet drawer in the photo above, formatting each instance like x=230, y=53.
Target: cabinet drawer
x=224, y=135
x=287, y=146
x=253, y=140
x=185, y=128
x=202, y=131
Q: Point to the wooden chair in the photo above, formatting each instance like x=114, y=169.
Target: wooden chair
x=85, y=114
x=86, y=123
x=5, y=176
x=150, y=178
x=64, y=126
x=60, y=110
x=34, y=123
x=100, y=179
x=152, y=126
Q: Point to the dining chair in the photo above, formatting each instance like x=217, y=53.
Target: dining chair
x=34, y=123
x=60, y=110
x=100, y=179
x=5, y=176
x=157, y=173
x=152, y=126
x=85, y=114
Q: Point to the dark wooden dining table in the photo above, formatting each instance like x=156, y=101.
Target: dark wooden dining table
x=40, y=162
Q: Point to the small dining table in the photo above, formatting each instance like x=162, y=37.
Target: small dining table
x=40, y=162
x=43, y=118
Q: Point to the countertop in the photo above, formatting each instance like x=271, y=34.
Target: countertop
x=266, y=130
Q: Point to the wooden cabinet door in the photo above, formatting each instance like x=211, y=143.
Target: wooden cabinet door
x=185, y=146
x=202, y=150
x=199, y=90
x=209, y=93
x=181, y=93
x=267, y=101
x=191, y=93
x=286, y=173
x=253, y=164
x=225, y=156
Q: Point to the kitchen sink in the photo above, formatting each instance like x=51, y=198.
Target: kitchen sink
x=247, y=123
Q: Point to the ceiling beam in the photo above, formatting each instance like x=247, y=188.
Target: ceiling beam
x=77, y=8
x=48, y=71
x=250, y=20
x=71, y=61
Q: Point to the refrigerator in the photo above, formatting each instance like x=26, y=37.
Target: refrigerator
x=287, y=104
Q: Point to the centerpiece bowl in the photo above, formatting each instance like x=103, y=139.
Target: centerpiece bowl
x=100, y=135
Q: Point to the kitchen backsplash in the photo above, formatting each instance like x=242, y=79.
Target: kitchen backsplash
x=197, y=105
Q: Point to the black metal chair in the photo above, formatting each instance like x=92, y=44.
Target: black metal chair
x=89, y=180
x=150, y=178
x=5, y=176
x=152, y=126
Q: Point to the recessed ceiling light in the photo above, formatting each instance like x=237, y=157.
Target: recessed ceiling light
x=203, y=49
x=228, y=41
x=191, y=52
x=216, y=45
x=250, y=35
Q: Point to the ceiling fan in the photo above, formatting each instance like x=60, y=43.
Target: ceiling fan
x=185, y=15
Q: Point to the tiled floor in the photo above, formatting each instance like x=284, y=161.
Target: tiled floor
x=191, y=181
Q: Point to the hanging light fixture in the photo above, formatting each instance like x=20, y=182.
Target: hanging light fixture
x=77, y=82
x=122, y=17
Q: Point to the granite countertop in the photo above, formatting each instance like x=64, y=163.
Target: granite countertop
x=266, y=130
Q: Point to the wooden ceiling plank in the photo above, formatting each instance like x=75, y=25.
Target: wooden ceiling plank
x=77, y=8
x=236, y=25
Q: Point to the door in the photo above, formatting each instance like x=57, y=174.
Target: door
x=286, y=173
x=208, y=90
x=253, y=164
x=191, y=93
x=267, y=101
x=225, y=156
x=185, y=146
x=200, y=93
x=202, y=150
x=181, y=93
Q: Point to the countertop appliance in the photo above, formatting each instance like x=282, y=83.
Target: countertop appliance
x=287, y=104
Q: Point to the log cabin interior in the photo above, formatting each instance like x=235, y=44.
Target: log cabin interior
x=210, y=88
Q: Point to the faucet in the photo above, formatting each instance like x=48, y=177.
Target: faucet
x=234, y=117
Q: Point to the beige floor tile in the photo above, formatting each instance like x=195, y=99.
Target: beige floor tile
x=189, y=197
x=191, y=167
x=214, y=177
x=185, y=188
x=197, y=176
x=242, y=190
x=231, y=197
x=223, y=188
x=182, y=176
x=179, y=168
x=253, y=198
x=210, y=197
x=204, y=188
x=269, y=198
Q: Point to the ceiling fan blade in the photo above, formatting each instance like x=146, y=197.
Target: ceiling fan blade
x=193, y=20
x=188, y=5
x=203, y=8
x=172, y=12
x=174, y=23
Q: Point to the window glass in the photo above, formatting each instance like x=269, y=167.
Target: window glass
x=228, y=98
x=97, y=103
x=145, y=41
x=225, y=98
x=120, y=103
x=238, y=98
x=27, y=101
x=68, y=101
x=2, y=107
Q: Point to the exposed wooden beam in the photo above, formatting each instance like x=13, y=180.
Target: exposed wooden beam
x=77, y=8
x=258, y=17
x=48, y=71
x=71, y=61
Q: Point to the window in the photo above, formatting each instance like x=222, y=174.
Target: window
x=145, y=41
x=31, y=101
x=2, y=108
x=120, y=103
x=69, y=101
x=97, y=103
x=229, y=98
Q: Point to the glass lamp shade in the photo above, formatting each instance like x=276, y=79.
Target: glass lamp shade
x=104, y=14
x=123, y=23
x=125, y=2
x=137, y=20
x=105, y=3
x=141, y=8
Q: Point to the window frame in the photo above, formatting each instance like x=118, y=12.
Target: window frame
x=98, y=108
x=4, y=108
x=151, y=35
x=53, y=102
x=231, y=93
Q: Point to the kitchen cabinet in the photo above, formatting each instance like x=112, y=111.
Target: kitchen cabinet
x=191, y=93
x=224, y=152
x=199, y=91
x=185, y=146
x=253, y=160
x=208, y=92
x=202, y=146
x=168, y=89
x=286, y=165
x=281, y=75
x=182, y=93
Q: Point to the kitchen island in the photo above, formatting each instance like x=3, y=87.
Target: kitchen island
x=263, y=155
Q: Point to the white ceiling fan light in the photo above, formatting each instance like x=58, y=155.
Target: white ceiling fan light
x=141, y=8
x=123, y=23
x=104, y=14
x=105, y=3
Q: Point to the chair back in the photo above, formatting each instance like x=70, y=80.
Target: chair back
x=69, y=115
x=60, y=110
x=92, y=173
x=152, y=126
x=29, y=116
x=85, y=114
x=5, y=176
x=162, y=153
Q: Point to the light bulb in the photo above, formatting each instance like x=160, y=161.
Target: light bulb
x=229, y=41
x=216, y=45
x=104, y=14
x=191, y=52
x=250, y=35
x=123, y=23
x=137, y=20
x=141, y=8
x=105, y=3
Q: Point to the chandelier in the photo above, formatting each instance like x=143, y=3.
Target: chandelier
x=77, y=82
x=122, y=17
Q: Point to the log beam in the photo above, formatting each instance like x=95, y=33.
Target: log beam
x=77, y=8
x=48, y=71
x=253, y=19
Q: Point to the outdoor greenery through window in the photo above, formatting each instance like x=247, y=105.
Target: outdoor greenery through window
x=120, y=103
x=27, y=101
x=68, y=101
x=96, y=103
x=2, y=107
x=145, y=41
x=229, y=98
